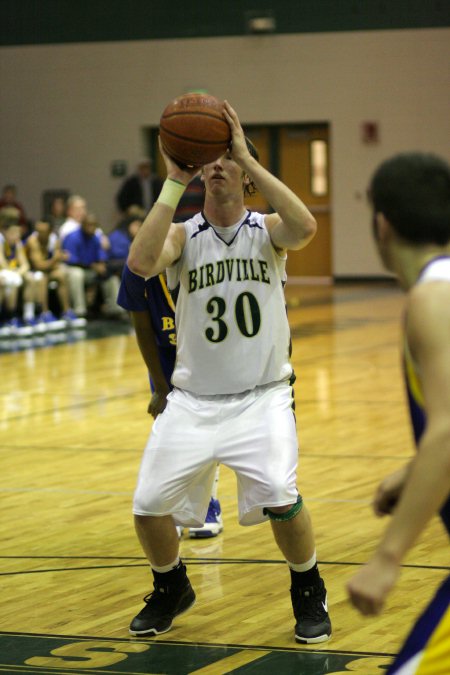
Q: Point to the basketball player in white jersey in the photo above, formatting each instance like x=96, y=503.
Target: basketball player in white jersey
x=232, y=397
x=410, y=195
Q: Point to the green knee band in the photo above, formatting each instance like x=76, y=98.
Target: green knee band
x=288, y=515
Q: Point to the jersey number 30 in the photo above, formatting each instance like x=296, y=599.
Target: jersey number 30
x=246, y=311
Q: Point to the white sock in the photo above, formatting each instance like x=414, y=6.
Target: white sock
x=303, y=567
x=166, y=568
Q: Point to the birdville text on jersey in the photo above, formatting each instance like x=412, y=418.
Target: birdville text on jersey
x=232, y=269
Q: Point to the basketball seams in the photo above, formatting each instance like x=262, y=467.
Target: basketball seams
x=219, y=117
x=191, y=139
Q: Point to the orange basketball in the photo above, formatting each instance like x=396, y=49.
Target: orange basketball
x=193, y=129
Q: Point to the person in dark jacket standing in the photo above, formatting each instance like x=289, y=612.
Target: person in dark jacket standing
x=140, y=189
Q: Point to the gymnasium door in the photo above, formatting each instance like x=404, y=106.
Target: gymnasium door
x=304, y=167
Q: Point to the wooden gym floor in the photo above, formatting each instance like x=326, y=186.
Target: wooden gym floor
x=73, y=424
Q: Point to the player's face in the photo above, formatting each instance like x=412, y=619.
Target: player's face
x=223, y=176
x=43, y=230
x=78, y=210
x=89, y=225
x=12, y=234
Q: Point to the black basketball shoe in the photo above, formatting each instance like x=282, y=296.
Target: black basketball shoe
x=161, y=607
x=311, y=613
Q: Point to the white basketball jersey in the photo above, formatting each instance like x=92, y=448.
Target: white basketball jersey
x=231, y=321
x=437, y=269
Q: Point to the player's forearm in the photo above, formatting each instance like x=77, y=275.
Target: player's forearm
x=298, y=224
x=144, y=257
x=149, y=353
x=42, y=265
x=148, y=243
x=427, y=488
x=24, y=265
x=149, y=350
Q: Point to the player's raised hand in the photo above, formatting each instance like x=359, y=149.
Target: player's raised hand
x=239, y=150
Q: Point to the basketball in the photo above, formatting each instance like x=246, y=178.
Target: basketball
x=193, y=129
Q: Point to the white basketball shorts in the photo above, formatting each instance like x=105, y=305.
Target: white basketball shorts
x=10, y=278
x=253, y=433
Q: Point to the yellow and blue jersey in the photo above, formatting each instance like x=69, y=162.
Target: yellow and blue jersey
x=437, y=269
x=427, y=648
x=137, y=294
x=11, y=253
x=418, y=415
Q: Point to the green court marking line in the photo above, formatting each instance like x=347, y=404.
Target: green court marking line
x=183, y=643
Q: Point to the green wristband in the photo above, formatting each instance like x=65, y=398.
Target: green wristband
x=171, y=193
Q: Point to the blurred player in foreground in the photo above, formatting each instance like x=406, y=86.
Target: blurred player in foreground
x=410, y=197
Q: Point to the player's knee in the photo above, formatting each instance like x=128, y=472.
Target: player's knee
x=58, y=275
x=77, y=274
x=281, y=509
x=145, y=503
x=277, y=486
x=284, y=513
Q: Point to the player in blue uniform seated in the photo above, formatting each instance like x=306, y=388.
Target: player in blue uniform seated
x=119, y=243
x=410, y=196
x=153, y=314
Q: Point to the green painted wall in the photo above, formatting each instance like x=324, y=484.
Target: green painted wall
x=61, y=21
